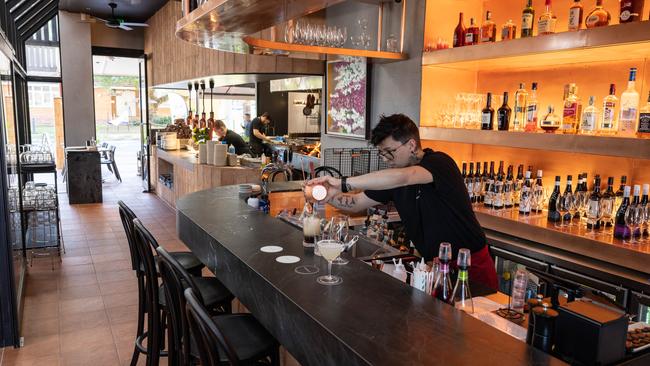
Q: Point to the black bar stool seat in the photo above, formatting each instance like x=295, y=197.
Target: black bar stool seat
x=248, y=338
x=213, y=292
x=188, y=260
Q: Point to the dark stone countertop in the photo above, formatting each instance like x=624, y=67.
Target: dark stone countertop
x=370, y=319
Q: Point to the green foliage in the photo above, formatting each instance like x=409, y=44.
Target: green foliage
x=110, y=81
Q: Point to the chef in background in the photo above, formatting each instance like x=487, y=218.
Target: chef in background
x=231, y=137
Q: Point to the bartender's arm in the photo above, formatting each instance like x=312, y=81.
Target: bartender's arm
x=260, y=135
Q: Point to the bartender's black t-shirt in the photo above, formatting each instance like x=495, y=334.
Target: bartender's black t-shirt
x=436, y=212
x=233, y=138
x=256, y=124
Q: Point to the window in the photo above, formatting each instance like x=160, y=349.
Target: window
x=41, y=95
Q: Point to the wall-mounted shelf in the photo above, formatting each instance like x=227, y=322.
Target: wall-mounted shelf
x=377, y=56
x=596, y=145
x=611, y=43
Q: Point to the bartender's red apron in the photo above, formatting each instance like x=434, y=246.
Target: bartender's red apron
x=482, y=269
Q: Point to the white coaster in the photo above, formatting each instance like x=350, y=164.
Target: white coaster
x=287, y=259
x=271, y=249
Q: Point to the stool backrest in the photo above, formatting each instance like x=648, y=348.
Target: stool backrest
x=127, y=216
x=175, y=280
x=143, y=244
x=209, y=339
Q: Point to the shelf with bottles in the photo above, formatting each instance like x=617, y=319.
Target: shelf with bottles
x=578, y=212
x=560, y=46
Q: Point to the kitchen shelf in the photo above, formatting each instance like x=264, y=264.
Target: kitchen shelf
x=377, y=56
x=597, y=145
x=604, y=44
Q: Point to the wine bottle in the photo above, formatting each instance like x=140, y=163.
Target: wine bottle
x=469, y=182
x=459, y=32
x=489, y=183
x=608, y=199
x=525, y=196
x=620, y=227
x=539, y=192
x=442, y=289
x=593, y=208
x=503, y=114
x=477, y=184
x=636, y=200
x=620, y=191
x=487, y=114
x=498, y=204
x=507, y=189
x=464, y=175
x=644, y=203
x=484, y=179
x=568, y=189
x=518, y=183
x=553, y=213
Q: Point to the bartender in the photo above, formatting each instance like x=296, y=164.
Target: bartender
x=231, y=138
x=427, y=190
x=257, y=136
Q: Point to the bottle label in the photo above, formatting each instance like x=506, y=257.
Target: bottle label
x=570, y=113
x=502, y=120
x=593, y=211
x=644, y=122
x=592, y=20
x=507, y=198
x=544, y=26
x=524, y=202
x=588, y=121
x=625, y=15
x=507, y=33
x=456, y=40
x=463, y=275
x=574, y=18
x=485, y=120
x=628, y=114
x=527, y=21
x=487, y=34
x=469, y=38
x=608, y=115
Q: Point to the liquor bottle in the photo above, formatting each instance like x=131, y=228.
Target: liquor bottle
x=461, y=295
x=553, y=213
x=497, y=191
x=629, y=107
x=575, y=16
x=488, y=29
x=608, y=203
x=551, y=121
x=525, y=196
x=589, y=119
x=547, y=20
x=464, y=171
x=609, y=122
x=598, y=17
x=519, y=119
x=644, y=203
x=643, y=127
x=469, y=182
x=471, y=34
x=503, y=114
x=459, y=32
x=630, y=11
x=518, y=183
x=442, y=289
x=487, y=114
x=528, y=20
x=531, y=110
x=572, y=111
x=484, y=181
x=478, y=183
x=568, y=189
x=538, y=190
x=508, y=189
x=488, y=187
x=620, y=227
x=621, y=189
x=593, y=207
x=508, y=31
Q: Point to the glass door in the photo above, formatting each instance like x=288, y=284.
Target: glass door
x=144, y=127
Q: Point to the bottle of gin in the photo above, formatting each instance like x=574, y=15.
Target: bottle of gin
x=629, y=107
x=589, y=119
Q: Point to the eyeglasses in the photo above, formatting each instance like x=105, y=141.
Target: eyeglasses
x=389, y=154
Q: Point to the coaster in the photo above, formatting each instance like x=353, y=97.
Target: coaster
x=306, y=270
x=271, y=249
x=287, y=259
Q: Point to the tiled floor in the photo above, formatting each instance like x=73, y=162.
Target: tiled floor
x=84, y=311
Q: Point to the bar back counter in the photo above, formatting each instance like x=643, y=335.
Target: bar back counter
x=370, y=319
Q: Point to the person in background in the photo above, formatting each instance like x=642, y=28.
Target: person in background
x=427, y=190
x=246, y=125
x=231, y=138
x=257, y=135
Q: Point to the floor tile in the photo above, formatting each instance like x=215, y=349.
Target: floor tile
x=81, y=305
x=78, y=292
x=85, y=339
x=70, y=322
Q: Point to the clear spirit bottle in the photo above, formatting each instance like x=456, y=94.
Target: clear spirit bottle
x=572, y=111
x=520, y=108
x=609, y=122
x=531, y=110
x=589, y=120
x=629, y=107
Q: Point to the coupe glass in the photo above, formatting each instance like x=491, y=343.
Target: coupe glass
x=340, y=228
x=633, y=221
x=330, y=249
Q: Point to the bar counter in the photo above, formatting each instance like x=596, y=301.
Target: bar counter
x=370, y=319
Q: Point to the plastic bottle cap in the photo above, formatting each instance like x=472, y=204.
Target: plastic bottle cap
x=464, y=259
x=319, y=192
x=444, y=253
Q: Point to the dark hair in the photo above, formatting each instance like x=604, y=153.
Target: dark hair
x=247, y=114
x=219, y=124
x=266, y=114
x=398, y=126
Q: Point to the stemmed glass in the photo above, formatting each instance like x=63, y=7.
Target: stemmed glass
x=582, y=200
x=563, y=204
x=340, y=228
x=572, y=205
x=633, y=220
x=607, y=210
x=330, y=249
x=598, y=216
x=645, y=221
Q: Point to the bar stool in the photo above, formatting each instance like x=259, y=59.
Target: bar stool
x=233, y=339
x=216, y=296
x=210, y=293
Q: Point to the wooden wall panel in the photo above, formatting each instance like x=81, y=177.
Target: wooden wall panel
x=173, y=60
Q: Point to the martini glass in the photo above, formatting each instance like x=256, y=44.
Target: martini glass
x=330, y=249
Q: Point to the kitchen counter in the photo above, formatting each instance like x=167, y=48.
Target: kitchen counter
x=370, y=319
x=183, y=174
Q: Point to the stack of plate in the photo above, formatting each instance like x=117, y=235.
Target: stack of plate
x=245, y=189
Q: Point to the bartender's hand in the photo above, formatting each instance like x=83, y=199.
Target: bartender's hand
x=333, y=186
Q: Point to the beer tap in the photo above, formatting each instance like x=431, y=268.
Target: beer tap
x=189, y=105
x=196, y=113
x=203, y=122
x=211, y=119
